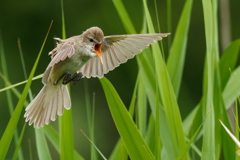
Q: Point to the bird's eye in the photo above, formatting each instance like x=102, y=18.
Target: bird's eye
x=91, y=40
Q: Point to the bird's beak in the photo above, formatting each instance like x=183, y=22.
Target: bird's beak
x=105, y=43
x=97, y=50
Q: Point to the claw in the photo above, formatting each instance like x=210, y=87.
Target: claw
x=75, y=78
x=65, y=76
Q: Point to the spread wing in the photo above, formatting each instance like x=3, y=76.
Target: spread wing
x=120, y=49
x=65, y=49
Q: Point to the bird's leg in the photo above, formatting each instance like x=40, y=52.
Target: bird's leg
x=75, y=78
x=66, y=77
x=66, y=74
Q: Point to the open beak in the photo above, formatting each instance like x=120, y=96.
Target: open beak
x=97, y=50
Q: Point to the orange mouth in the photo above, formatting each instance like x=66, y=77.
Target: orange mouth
x=97, y=50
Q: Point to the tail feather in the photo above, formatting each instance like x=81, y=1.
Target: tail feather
x=49, y=103
x=32, y=111
x=67, y=101
x=59, y=111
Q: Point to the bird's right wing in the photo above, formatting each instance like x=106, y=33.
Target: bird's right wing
x=120, y=49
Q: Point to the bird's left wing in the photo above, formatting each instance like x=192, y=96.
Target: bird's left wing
x=65, y=49
x=120, y=49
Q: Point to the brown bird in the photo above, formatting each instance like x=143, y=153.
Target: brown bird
x=87, y=55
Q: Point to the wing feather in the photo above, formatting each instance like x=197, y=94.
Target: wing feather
x=128, y=54
x=119, y=54
x=120, y=49
x=61, y=52
x=65, y=49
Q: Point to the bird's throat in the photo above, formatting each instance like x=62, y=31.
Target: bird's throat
x=97, y=49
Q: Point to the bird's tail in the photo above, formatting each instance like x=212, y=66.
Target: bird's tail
x=50, y=101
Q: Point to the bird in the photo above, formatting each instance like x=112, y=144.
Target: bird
x=90, y=54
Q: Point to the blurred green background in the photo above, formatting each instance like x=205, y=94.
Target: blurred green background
x=29, y=21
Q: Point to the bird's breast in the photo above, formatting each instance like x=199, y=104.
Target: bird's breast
x=72, y=65
x=75, y=62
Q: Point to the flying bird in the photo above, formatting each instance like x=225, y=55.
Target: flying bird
x=90, y=54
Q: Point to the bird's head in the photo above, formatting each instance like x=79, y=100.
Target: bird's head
x=95, y=38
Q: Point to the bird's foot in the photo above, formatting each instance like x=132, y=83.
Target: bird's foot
x=67, y=77
x=75, y=78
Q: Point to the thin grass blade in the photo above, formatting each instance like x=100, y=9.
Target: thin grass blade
x=184, y=152
x=158, y=143
x=24, y=66
x=141, y=107
x=12, y=124
x=20, y=83
x=90, y=117
x=167, y=97
x=228, y=61
x=94, y=146
x=119, y=152
x=53, y=137
x=231, y=135
x=16, y=152
x=127, y=23
x=208, y=147
x=232, y=89
x=134, y=143
x=177, y=53
x=42, y=147
x=8, y=93
x=66, y=125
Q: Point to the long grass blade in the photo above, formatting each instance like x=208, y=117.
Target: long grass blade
x=184, y=152
x=127, y=23
x=8, y=93
x=94, y=146
x=167, y=97
x=134, y=143
x=169, y=20
x=119, y=152
x=231, y=135
x=14, y=90
x=177, y=53
x=66, y=125
x=228, y=61
x=158, y=143
x=208, y=147
x=40, y=139
x=142, y=107
x=232, y=89
x=16, y=152
x=5, y=73
x=20, y=83
x=42, y=147
x=53, y=137
x=12, y=124
x=24, y=66
x=90, y=116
